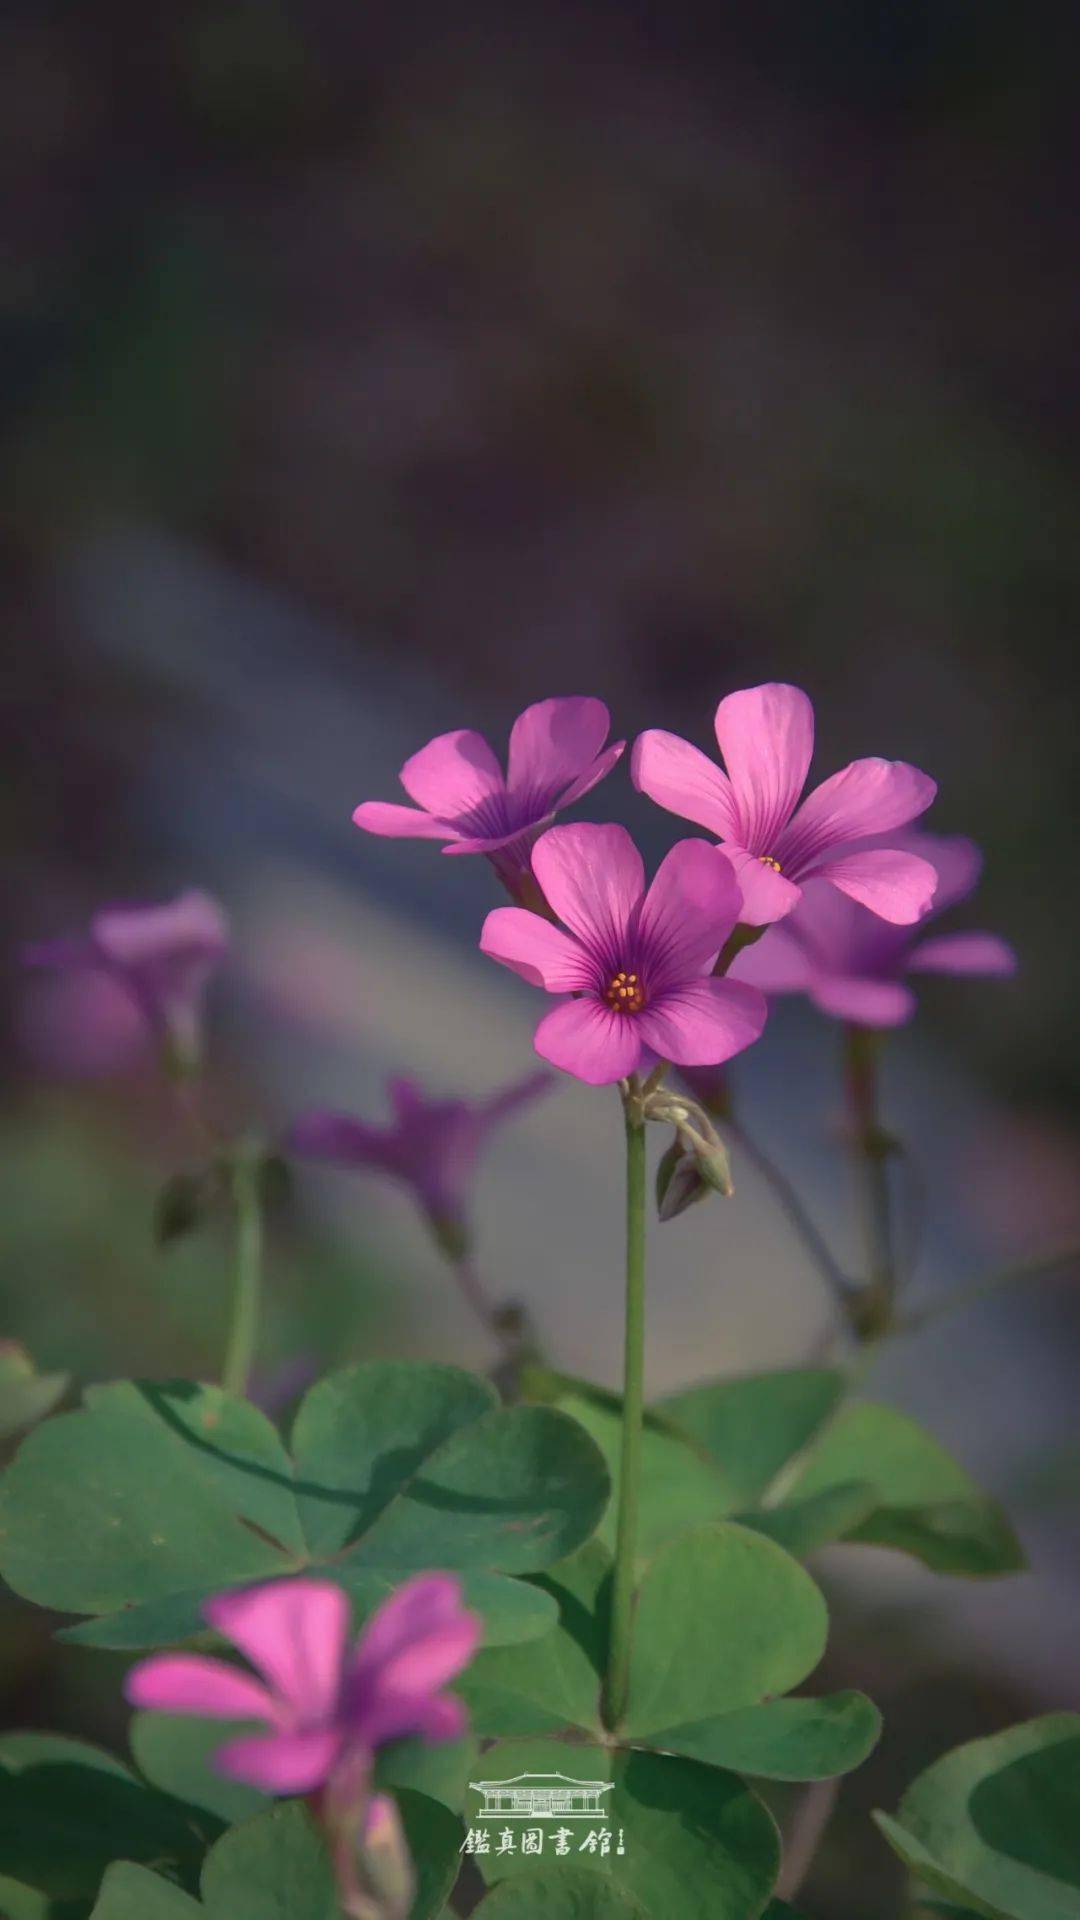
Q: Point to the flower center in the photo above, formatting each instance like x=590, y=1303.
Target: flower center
x=625, y=993
x=769, y=860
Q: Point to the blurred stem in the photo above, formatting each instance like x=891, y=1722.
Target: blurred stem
x=507, y=1323
x=247, y=1295
x=871, y=1309
x=804, y=1835
x=740, y=936
x=633, y=1406
x=472, y=1291
x=961, y=1297
x=791, y=1205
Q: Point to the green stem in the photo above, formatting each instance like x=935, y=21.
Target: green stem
x=872, y=1310
x=247, y=1296
x=970, y=1296
x=740, y=936
x=791, y=1205
x=633, y=1405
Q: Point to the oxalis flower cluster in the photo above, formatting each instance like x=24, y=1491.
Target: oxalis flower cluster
x=636, y=970
x=825, y=895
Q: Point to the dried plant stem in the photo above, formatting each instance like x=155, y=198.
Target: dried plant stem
x=247, y=1296
x=872, y=1308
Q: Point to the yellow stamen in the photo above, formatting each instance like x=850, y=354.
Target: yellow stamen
x=625, y=993
x=768, y=860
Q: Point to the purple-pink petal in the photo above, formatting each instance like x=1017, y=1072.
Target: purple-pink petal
x=766, y=735
x=542, y=954
x=443, y=1717
x=703, y=1022
x=81, y=1021
x=457, y=777
x=681, y=778
x=983, y=954
x=282, y=1762
x=766, y=894
x=517, y=836
x=687, y=914
x=387, y=1715
x=863, y=1002
x=592, y=775
x=593, y=879
x=60, y=956
x=520, y=1093
x=191, y=928
x=587, y=1039
x=407, y=1097
x=778, y=962
x=897, y=886
x=340, y=1140
x=419, y=1609
x=433, y=1654
x=294, y=1632
x=957, y=859
x=868, y=797
x=551, y=745
x=400, y=823
x=192, y=1683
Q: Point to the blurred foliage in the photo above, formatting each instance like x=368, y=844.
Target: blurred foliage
x=89, y=1289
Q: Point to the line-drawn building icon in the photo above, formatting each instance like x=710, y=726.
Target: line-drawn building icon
x=531, y=1796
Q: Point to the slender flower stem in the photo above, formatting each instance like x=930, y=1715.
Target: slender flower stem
x=804, y=1835
x=247, y=1297
x=622, y=1599
x=507, y=1323
x=740, y=936
x=872, y=1312
x=471, y=1288
x=960, y=1298
x=792, y=1206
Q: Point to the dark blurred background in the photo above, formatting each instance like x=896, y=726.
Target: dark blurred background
x=372, y=370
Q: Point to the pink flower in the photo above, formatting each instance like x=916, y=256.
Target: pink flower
x=635, y=967
x=557, y=754
x=766, y=735
x=433, y=1146
x=160, y=956
x=79, y=1025
x=852, y=965
x=328, y=1706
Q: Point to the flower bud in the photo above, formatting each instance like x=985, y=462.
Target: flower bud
x=386, y=1862
x=691, y=1169
x=713, y=1165
x=26, y=1396
x=184, y=1203
x=678, y=1183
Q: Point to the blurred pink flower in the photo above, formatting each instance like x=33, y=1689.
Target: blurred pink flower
x=557, y=755
x=78, y=1025
x=852, y=964
x=159, y=956
x=328, y=1707
x=766, y=735
x=432, y=1146
x=636, y=967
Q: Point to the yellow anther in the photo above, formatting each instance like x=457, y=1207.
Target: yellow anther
x=625, y=993
x=768, y=860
